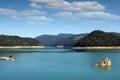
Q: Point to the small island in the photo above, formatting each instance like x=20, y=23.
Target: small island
x=98, y=40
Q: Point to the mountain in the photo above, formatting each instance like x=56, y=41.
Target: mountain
x=116, y=33
x=70, y=41
x=99, y=38
x=63, y=35
x=49, y=40
x=17, y=41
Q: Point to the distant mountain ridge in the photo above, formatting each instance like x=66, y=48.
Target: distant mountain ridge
x=115, y=33
x=49, y=40
x=70, y=41
x=60, y=39
x=63, y=39
x=63, y=35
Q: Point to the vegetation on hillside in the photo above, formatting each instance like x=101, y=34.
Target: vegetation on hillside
x=17, y=41
x=99, y=38
x=51, y=40
x=70, y=41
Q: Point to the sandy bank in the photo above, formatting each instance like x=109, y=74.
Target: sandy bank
x=99, y=47
x=10, y=47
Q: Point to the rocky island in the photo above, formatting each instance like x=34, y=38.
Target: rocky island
x=104, y=62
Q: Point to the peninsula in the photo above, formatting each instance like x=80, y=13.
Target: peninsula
x=98, y=40
x=18, y=42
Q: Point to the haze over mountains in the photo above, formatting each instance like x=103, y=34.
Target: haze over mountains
x=63, y=39
x=85, y=39
x=49, y=40
x=60, y=39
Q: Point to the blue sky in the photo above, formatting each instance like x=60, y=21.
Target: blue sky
x=31, y=18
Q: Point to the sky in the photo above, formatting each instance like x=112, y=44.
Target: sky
x=31, y=18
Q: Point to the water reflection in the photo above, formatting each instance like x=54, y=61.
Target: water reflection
x=38, y=64
x=94, y=56
x=105, y=68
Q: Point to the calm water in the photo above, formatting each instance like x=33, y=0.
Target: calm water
x=58, y=64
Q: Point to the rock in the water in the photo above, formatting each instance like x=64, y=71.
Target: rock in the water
x=11, y=57
x=104, y=62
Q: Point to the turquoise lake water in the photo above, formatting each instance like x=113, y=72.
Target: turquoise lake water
x=58, y=64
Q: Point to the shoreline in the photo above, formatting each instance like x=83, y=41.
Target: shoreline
x=98, y=48
x=17, y=47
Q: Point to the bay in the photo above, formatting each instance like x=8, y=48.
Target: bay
x=58, y=64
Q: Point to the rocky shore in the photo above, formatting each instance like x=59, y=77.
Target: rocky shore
x=15, y=47
x=98, y=47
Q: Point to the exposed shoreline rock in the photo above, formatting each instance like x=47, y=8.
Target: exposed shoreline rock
x=104, y=62
x=11, y=57
x=96, y=47
x=17, y=47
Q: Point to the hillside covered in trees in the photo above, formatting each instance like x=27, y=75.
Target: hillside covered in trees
x=51, y=40
x=17, y=41
x=99, y=38
x=70, y=41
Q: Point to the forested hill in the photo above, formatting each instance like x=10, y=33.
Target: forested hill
x=99, y=38
x=17, y=41
x=49, y=40
x=70, y=41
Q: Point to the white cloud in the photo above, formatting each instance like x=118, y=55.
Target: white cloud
x=32, y=12
x=97, y=15
x=72, y=6
x=12, y=12
x=47, y=1
x=33, y=16
x=40, y=18
x=78, y=9
x=64, y=14
x=85, y=6
x=88, y=15
x=5, y=11
x=34, y=5
x=31, y=22
x=14, y=17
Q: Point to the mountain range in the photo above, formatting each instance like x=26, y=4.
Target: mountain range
x=60, y=39
x=63, y=39
x=49, y=40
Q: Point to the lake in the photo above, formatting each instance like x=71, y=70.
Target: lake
x=58, y=64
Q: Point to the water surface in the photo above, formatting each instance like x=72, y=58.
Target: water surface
x=58, y=64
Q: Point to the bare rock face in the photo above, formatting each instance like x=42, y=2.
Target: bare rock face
x=11, y=57
x=104, y=62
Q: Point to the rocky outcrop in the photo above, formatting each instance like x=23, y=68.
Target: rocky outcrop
x=11, y=57
x=104, y=62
